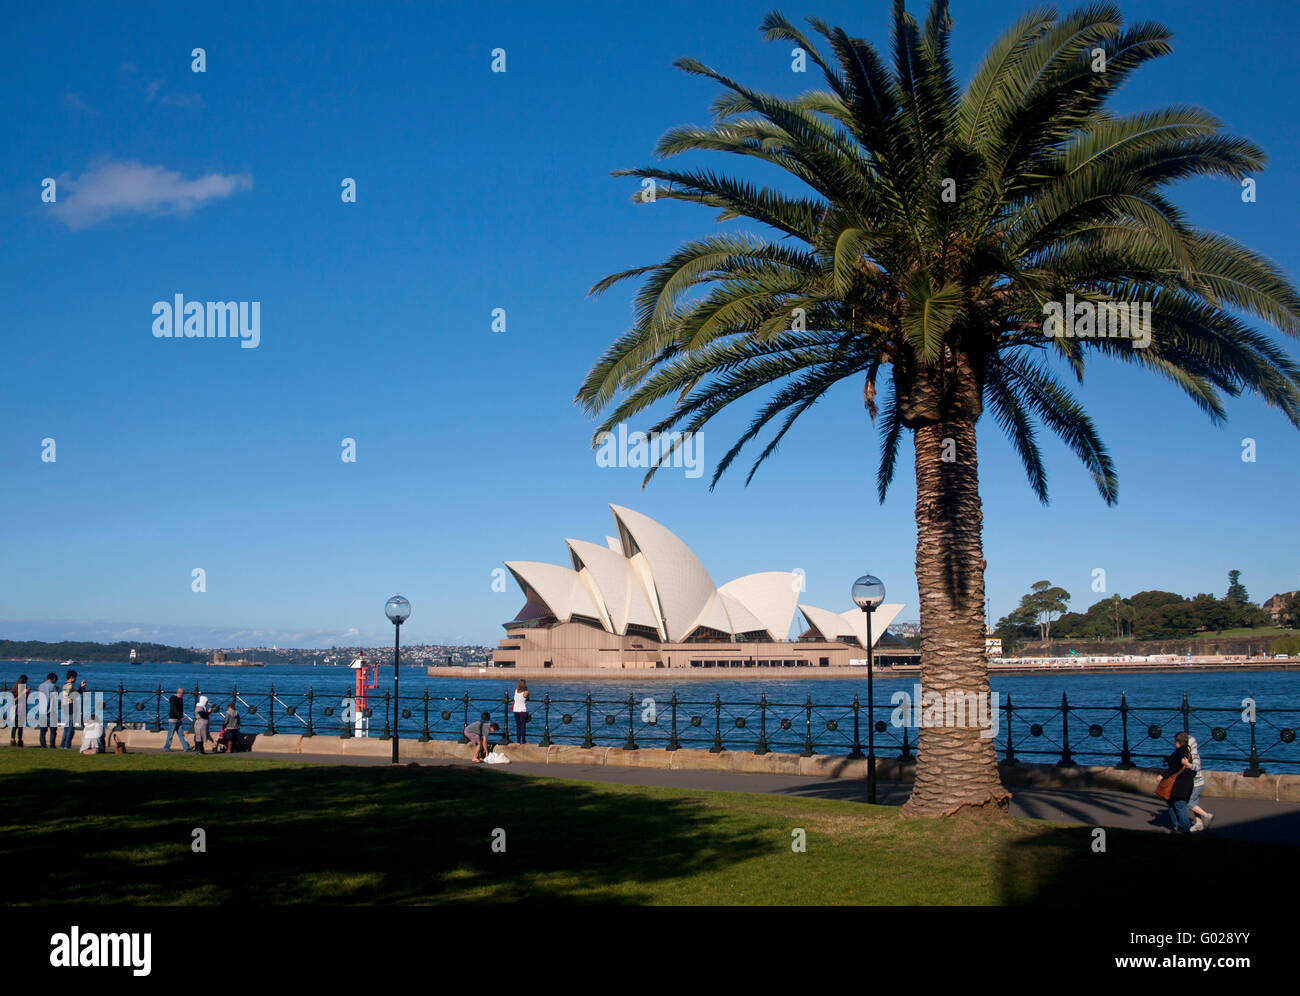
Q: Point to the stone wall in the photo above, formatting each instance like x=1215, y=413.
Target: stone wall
x=1218, y=784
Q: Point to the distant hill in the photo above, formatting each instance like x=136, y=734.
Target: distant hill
x=20, y=650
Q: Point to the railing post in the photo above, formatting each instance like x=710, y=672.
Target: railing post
x=270, y=721
x=857, y=747
x=1011, y=749
x=311, y=701
x=506, y=724
x=424, y=737
x=464, y=739
x=120, y=692
x=717, y=747
x=586, y=740
x=1067, y=759
x=672, y=737
x=546, y=719
x=1125, y=757
x=631, y=723
x=157, y=711
x=807, y=734
x=388, y=699
x=1186, y=711
x=762, y=747
x=906, y=753
x=1254, y=771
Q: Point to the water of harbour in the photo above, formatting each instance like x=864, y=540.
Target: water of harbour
x=797, y=713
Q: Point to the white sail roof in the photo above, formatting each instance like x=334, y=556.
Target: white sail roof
x=647, y=577
x=683, y=585
x=560, y=588
x=771, y=596
x=852, y=622
x=855, y=623
x=620, y=589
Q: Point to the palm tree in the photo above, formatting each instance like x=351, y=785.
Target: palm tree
x=929, y=227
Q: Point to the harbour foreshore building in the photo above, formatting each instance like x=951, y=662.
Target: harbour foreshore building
x=644, y=600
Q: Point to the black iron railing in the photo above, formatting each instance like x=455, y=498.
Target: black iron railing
x=1245, y=737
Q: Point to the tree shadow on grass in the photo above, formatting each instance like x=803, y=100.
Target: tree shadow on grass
x=349, y=835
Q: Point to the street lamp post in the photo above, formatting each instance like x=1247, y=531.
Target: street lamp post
x=397, y=609
x=868, y=593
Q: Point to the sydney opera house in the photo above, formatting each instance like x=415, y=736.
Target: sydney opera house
x=644, y=600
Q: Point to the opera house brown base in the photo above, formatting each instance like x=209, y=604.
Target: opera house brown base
x=578, y=646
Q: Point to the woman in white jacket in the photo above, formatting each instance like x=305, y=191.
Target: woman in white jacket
x=1194, y=803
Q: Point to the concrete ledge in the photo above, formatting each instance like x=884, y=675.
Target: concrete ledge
x=361, y=746
x=701, y=760
x=321, y=745
x=1234, y=786
x=645, y=757
x=564, y=754
x=278, y=744
x=821, y=766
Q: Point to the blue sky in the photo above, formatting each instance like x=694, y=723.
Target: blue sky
x=478, y=191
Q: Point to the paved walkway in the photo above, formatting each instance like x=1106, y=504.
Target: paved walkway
x=1244, y=819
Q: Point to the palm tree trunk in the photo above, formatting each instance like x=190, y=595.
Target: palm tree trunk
x=956, y=767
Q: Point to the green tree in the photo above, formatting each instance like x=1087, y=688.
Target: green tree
x=1046, y=600
x=1237, y=594
x=918, y=236
x=1015, y=626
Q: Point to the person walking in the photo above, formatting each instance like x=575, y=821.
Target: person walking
x=68, y=702
x=201, y=724
x=20, y=711
x=46, y=692
x=521, y=711
x=1198, y=785
x=175, y=717
x=1179, y=765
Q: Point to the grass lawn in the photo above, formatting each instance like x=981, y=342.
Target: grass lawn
x=1264, y=632
x=117, y=830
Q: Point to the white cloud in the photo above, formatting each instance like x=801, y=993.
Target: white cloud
x=110, y=188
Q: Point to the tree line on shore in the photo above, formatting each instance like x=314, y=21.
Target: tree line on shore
x=89, y=650
x=1148, y=615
